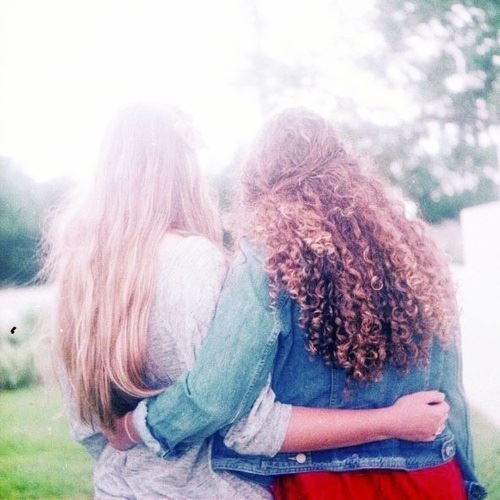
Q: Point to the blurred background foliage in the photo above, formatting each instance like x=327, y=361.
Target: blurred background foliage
x=446, y=55
x=18, y=366
x=23, y=206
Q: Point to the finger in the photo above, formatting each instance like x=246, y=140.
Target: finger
x=433, y=397
x=429, y=438
x=442, y=409
x=440, y=430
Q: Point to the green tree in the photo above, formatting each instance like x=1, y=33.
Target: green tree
x=23, y=204
x=446, y=54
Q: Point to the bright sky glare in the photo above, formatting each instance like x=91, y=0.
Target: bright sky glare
x=66, y=66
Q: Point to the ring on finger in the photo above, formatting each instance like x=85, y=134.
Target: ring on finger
x=440, y=430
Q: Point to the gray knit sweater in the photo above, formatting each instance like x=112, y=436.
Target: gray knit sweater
x=191, y=273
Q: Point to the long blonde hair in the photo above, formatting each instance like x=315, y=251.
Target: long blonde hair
x=102, y=251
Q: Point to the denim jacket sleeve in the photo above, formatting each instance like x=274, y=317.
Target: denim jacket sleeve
x=452, y=386
x=232, y=365
x=458, y=420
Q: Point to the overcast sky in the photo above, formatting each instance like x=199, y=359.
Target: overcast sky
x=65, y=66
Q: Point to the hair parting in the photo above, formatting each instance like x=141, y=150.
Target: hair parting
x=101, y=251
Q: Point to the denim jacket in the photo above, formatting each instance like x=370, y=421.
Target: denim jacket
x=247, y=340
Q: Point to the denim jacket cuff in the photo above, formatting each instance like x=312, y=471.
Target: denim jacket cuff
x=139, y=419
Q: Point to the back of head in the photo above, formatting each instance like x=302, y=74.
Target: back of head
x=103, y=251
x=371, y=285
x=148, y=170
x=294, y=147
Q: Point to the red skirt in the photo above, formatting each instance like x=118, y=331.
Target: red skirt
x=443, y=482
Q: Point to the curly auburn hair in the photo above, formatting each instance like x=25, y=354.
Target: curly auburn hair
x=371, y=285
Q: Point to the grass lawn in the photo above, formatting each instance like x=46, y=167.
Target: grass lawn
x=38, y=459
x=487, y=454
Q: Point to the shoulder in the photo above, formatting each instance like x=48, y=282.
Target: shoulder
x=191, y=251
x=247, y=272
x=189, y=261
x=249, y=252
x=251, y=260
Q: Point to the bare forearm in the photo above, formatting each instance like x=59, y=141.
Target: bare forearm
x=415, y=417
x=420, y=416
x=319, y=429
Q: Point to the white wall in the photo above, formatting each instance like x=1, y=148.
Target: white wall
x=479, y=295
